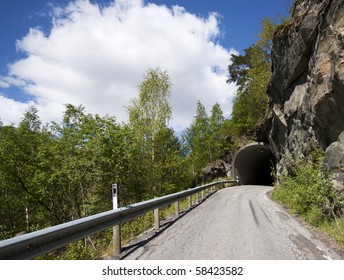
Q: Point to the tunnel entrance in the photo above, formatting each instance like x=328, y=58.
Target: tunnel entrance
x=253, y=165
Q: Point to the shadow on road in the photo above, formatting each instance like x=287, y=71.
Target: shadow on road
x=152, y=233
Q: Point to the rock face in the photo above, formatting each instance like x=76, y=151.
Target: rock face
x=334, y=159
x=306, y=89
x=217, y=169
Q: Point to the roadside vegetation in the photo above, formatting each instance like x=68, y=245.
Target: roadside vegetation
x=309, y=192
x=251, y=72
x=57, y=172
x=310, y=195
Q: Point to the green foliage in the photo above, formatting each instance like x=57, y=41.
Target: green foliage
x=61, y=172
x=89, y=248
x=310, y=193
x=151, y=112
x=80, y=251
x=154, y=147
x=238, y=69
x=335, y=229
x=130, y=230
x=207, y=138
x=268, y=28
x=22, y=199
x=291, y=18
x=251, y=72
x=217, y=138
x=196, y=137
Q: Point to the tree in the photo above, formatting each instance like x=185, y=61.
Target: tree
x=196, y=139
x=154, y=143
x=265, y=36
x=12, y=200
x=238, y=69
x=55, y=174
x=64, y=171
x=151, y=112
x=31, y=120
x=217, y=136
x=206, y=139
x=24, y=201
x=251, y=72
x=87, y=157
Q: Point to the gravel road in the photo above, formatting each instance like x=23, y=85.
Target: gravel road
x=239, y=223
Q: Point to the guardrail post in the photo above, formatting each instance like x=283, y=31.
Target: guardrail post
x=190, y=201
x=156, y=219
x=117, y=240
x=202, y=194
x=197, y=197
x=176, y=208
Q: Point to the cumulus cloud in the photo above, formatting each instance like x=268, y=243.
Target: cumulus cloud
x=11, y=110
x=96, y=56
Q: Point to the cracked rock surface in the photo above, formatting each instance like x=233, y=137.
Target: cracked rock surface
x=306, y=89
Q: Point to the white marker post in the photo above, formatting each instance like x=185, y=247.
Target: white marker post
x=114, y=197
x=117, y=228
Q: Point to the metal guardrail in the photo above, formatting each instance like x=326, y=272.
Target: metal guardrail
x=37, y=243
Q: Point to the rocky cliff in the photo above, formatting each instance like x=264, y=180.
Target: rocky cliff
x=306, y=89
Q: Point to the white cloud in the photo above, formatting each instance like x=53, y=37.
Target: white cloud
x=4, y=84
x=96, y=56
x=12, y=111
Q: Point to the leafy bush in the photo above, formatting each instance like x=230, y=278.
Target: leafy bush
x=310, y=193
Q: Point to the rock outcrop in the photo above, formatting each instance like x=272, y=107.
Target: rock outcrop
x=334, y=159
x=216, y=169
x=306, y=89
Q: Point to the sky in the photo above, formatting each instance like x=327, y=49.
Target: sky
x=94, y=53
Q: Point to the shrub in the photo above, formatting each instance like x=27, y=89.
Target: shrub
x=310, y=192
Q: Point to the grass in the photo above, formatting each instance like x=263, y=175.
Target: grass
x=335, y=229
x=100, y=245
x=311, y=196
x=130, y=230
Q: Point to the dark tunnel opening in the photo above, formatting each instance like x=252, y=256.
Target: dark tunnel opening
x=253, y=165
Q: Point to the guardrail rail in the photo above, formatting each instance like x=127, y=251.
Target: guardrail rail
x=37, y=243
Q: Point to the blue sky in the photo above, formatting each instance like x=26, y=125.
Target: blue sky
x=94, y=53
x=240, y=19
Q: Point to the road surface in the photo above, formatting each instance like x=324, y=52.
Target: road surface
x=239, y=223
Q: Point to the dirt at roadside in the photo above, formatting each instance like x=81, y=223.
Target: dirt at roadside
x=317, y=233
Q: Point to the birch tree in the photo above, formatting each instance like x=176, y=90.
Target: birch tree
x=149, y=116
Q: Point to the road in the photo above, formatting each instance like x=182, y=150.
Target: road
x=239, y=223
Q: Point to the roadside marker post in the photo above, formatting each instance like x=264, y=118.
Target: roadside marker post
x=117, y=228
